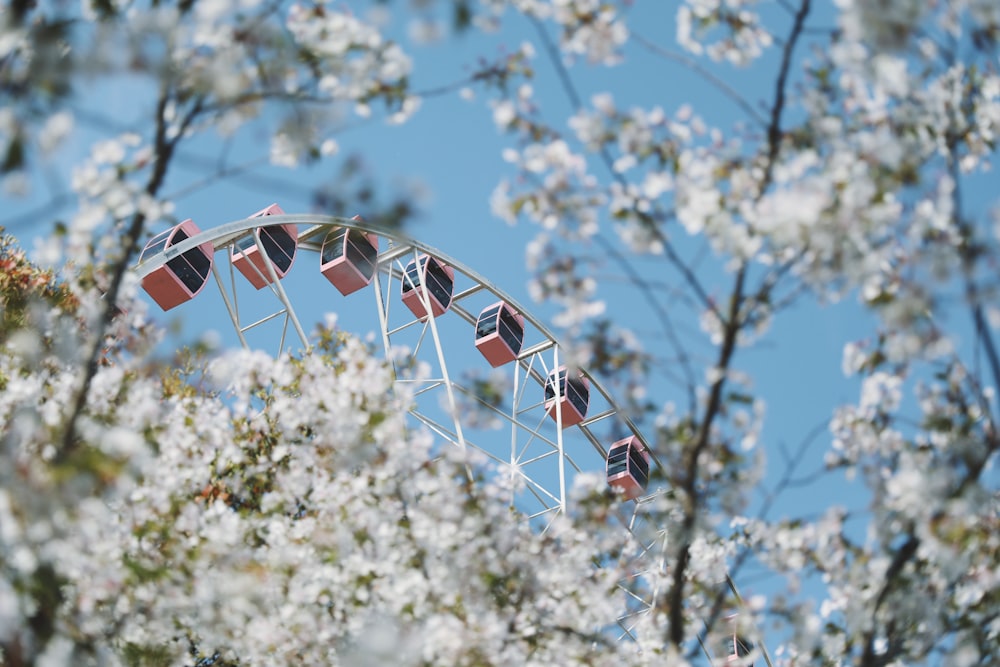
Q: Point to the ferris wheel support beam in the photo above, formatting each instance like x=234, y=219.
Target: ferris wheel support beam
x=425, y=300
x=233, y=315
x=383, y=317
x=279, y=291
x=559, y=428
x=513, y=430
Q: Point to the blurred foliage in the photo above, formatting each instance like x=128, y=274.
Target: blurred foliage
x=23, y=285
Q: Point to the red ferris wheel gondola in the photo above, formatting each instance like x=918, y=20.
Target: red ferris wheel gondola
x=574, y=397
x=279, y=242
x=628, y=467
x=499, y=333
x=182, y=277
x=427, y=277
x=348, y=258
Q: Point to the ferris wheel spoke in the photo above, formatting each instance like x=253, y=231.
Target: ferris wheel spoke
x=230, y=308
x=431, y=384
x=534, y=434
x=435, y=426
x=554, y=509
x=536, y=459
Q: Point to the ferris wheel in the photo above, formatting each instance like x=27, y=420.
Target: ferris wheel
x=485, y=374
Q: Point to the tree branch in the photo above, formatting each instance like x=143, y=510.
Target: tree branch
x=690, y=479
x=668, y=328
x=704, y=72
x=903, y=555
x=732, y=325
x=574, y=98
x=163, y=149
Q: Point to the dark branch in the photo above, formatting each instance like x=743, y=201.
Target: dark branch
x=163, y=149
x=903, y=555
x=668, y=328
x=732, y=326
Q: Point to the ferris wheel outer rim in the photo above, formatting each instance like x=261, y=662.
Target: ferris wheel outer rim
x=222, y=235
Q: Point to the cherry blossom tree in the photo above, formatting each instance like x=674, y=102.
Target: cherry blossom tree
x=232, y=508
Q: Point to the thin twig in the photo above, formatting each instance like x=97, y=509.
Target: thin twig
x=668, y=328
x=704, y=72
x=577, y=104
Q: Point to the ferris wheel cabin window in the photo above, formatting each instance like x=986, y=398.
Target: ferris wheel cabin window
x=487, y=323
x=155, y=246
x=511, y=329
x=279, y=246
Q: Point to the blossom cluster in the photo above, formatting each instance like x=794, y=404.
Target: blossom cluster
x=746, y=36
x=285, y=512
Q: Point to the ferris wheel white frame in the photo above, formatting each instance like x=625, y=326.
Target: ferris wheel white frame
x=530, y=364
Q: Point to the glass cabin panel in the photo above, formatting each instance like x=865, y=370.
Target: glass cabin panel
x=186, y=273
x=485, y=327
x=640, y=471
x=510, y=330
x=270, y=239
x=201, y=262
x=487, y=323
x=153, y=249
x=368, y=249
x=333, y=245
x=412, y=277
x=578, y=395
x=245, y=243
x=155, y=245
x=617, y=461
x=439, y=284
x=285, y=241
x=550, y=386
x=361, y=253
x=162, y=236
